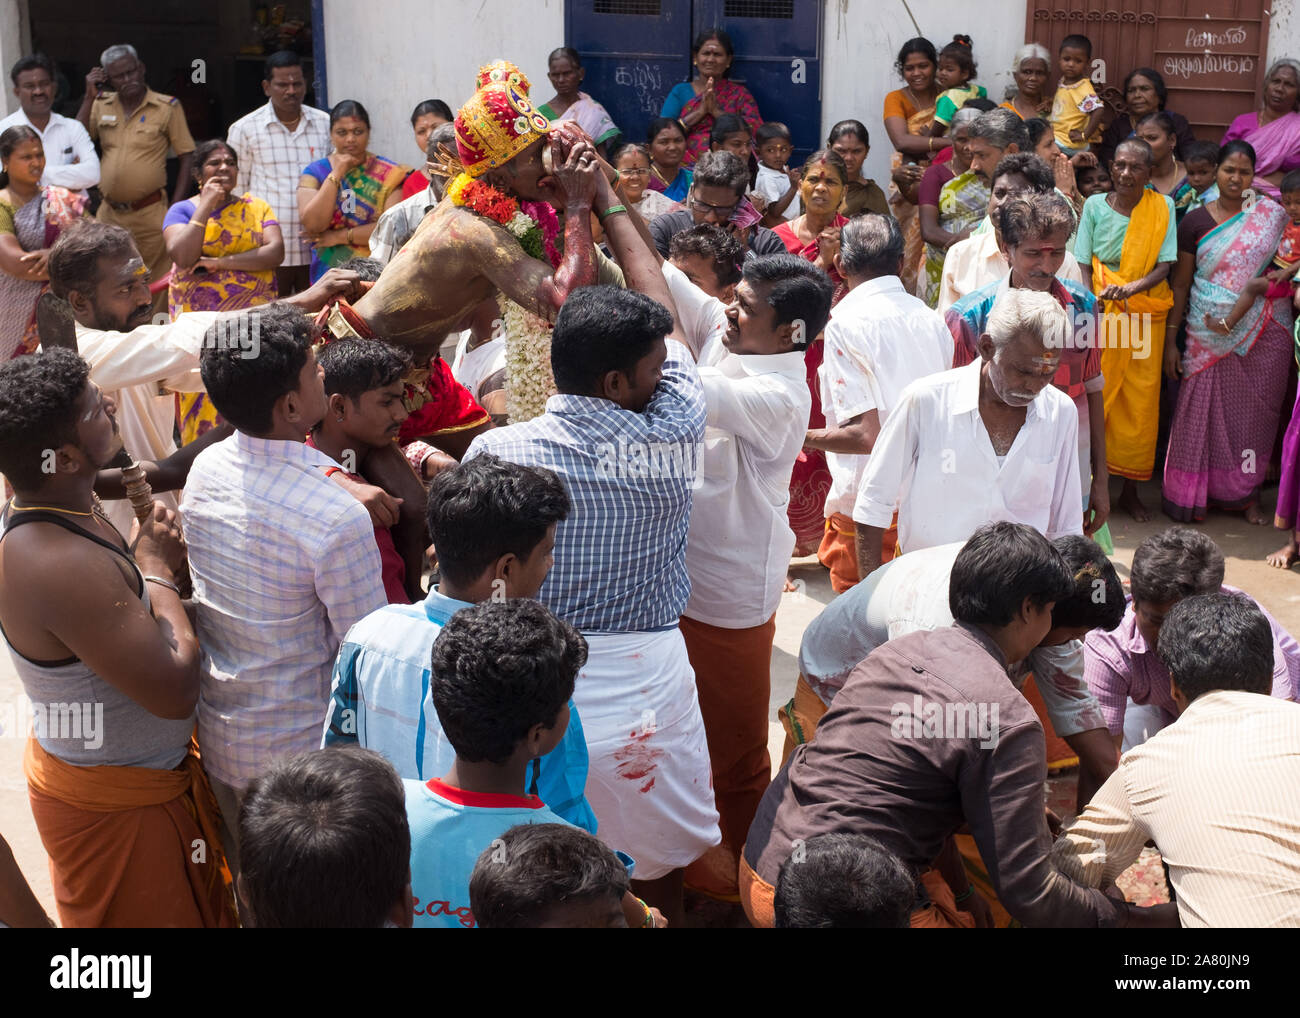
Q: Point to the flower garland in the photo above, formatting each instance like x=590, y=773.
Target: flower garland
x=529, y=382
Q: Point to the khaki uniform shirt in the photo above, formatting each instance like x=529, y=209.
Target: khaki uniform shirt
x=134, y=163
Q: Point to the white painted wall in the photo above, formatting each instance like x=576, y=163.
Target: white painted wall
x=429, y=49
x=860, y=44
x=1284, y=30
x=14, y=33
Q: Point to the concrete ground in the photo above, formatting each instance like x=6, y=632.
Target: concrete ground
x=1244, y=547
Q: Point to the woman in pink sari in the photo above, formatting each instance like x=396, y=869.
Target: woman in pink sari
x=696, y=103
x=1274, y=131
x=1233, y=380
x=815, y=237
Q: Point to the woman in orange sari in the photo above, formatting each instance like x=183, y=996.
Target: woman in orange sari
x=815, y=237
x=1126, y=246
x=909, y=112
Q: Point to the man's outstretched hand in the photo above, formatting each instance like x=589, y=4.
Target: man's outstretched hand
x=334, y=284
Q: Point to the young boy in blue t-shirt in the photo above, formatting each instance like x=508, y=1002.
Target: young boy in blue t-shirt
x=503, y=673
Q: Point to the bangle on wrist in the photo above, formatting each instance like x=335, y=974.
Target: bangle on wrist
x=163, y=583
x=682, y=122
x=965, y=895
x=350, y=229
x=648, y=923
x=332, y=179
x=195, y=222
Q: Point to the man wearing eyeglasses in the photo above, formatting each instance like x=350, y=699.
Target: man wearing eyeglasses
x=717, y=196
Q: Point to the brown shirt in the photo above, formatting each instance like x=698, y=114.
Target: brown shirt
x=134, y=162
x=927, y=734
x=860, y=197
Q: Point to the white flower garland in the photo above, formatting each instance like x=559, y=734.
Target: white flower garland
x=529, y=382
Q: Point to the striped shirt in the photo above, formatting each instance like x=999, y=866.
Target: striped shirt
x=284, y=563
x=620, y=557
x=1216, y=792
x=272, y=158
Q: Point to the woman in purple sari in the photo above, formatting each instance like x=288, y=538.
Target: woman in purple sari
x=696, y=103
x=1274, y=131
x=1233, y=380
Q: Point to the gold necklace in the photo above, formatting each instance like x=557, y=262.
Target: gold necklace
x=96, y=505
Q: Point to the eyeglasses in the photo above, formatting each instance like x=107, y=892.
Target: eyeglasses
x=634, y=173
x=704, y=208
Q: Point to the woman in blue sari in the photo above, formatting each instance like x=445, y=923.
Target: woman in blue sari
x=667, y=143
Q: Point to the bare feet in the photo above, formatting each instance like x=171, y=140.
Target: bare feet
x=1254, y=516
x=1284, y=556
x=1131, y=504
x=790, y=586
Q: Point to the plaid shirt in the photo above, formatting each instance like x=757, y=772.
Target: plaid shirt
x=1080, y=369
x=284, y=562
x=620, y=557
x=272, y=158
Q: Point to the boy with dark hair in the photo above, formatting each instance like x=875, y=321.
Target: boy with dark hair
x=1123, y=665
x=283, y=560
x=1201, y=160
x=709, y=257
x=1216, y=790
x=1094, y=180
x=1077, y=110
x=117, y=796
x=493, y=526
x=331, y=819
x=548, y=876
x=364, y=389
x=775, y=180
x=928, y=735
x=842, y=882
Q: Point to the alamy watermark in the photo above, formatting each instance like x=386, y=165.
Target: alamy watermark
x=629, y=459
x=80, y=722
x=930, y=719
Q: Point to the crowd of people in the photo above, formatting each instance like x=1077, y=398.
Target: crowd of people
x=677, y=364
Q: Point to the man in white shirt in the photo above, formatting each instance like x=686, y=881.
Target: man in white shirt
x=1216, y=790
x=991, y=441
x=283, y=561
x=97, y=269
x=739, y=543
x=979, y=259
x=880, y=339
x=70, y=159
x=274, y=143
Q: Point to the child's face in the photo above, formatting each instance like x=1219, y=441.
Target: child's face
x=737, y=143
x=1073, y=62
x=1094, y=180
x=1291, y=202
x=1200, y=174
x=775, y=152
x=950, y=75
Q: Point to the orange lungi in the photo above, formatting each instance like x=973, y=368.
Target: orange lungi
x=800, y=717
x=758, y=897
x=839, y=549
x=733, y=679
x=123, y=843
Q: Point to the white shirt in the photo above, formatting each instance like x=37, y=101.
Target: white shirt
x=739, y=542
x=472, y=367
x=141, y=370
x=395, y=226
x=703, y=318
x=272, y=158
x=284, y=562
x=976, y=262
x=772, y=185
x=935, y=461
x=70, y=159
x=1216, y=791
x=880, y=339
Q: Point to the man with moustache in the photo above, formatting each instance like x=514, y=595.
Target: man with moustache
x=70, y=159
x=118, y=795
x=990, y=441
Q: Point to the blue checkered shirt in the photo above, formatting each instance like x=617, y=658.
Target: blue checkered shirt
x=620, y=557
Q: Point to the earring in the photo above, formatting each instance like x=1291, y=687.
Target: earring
x=340, y=420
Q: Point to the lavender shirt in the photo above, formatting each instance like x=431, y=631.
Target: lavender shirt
x=1119, y=666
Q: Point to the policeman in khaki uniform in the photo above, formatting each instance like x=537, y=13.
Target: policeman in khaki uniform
x=135, y=127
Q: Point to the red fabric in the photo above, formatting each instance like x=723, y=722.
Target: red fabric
x=483, y=800
x=450, y=407
x=416, y=183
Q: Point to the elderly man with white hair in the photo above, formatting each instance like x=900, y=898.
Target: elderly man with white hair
x=135, y=127
x=880, y=339
x=994, y=440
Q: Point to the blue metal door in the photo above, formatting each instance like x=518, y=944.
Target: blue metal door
x=778, y=58
x=633, y=51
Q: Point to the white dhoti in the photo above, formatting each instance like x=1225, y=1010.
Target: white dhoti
x=649, y=780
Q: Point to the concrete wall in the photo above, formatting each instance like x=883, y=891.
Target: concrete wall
x=15, y=37
x=430, y=49
x=1284, y=30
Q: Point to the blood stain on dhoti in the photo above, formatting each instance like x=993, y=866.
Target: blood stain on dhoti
x=638, y=759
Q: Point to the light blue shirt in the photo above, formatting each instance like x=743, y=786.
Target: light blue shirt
x=380, y=699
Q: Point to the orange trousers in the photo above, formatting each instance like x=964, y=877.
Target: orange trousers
x=733, y=679
x=839, y=550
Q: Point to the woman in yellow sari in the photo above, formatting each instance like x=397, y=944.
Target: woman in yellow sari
x=1126, y=246
x=225, y=250
x=908, y=114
